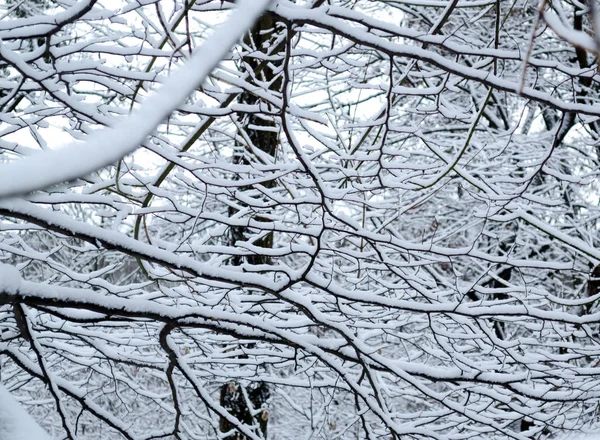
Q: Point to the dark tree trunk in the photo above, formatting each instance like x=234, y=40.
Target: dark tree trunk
x=248, y=404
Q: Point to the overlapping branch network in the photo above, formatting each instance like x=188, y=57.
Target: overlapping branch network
x=430, y=212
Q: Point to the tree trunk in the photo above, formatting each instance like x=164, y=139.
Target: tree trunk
x=248, y=403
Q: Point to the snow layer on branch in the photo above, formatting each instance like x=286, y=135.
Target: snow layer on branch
x=110, y=145
x=15, y=422
x=10, y=279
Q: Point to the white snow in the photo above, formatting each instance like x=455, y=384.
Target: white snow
x=576, y=38
x=10, y=279
x=15, y=422
x=110, y=145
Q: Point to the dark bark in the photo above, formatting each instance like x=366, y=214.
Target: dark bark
x=234, y=400
x=248, y=402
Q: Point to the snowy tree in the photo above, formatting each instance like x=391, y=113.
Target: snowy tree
x=301, y=219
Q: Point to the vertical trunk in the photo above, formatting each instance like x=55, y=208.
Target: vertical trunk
x=248, y=402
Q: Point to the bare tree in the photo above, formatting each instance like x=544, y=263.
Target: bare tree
x=373, y=218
